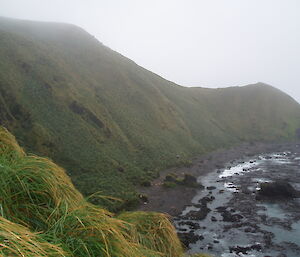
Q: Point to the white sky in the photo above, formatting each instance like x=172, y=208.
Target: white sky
x=212, y=43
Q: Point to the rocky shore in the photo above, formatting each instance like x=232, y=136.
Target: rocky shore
x=174, y=200
x=229, y=216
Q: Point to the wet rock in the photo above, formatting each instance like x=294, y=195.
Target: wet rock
x=209, y=246
x=182, y=229
x=221, y=208
x=213, y=219
x=211, y=188
x=216, y=241
x=245, y=249
x=228, y=217
x=277, y=190
x=206, y=199
x=198, y=215
x=247, y=230
x=192, y=225
x=189, y=238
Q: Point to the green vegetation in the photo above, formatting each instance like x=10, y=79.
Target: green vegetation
x=42, y=214
x=113, y=124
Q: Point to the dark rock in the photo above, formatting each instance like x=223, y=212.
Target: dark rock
x=277, y=190
x=213, y=219
x=198, y=215
x=206, y=199
x=189, y=238
x=182, y=229
x=191, y=224
x=221, y=208
x=245, y=249
x=211, y=188
x=209, y=246
x=228, y=217
x=144, y=198
x=248, y=230
x=190, y=181
x=171, y=178
x=216, y=241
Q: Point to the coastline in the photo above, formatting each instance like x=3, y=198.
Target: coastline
x=174, y=200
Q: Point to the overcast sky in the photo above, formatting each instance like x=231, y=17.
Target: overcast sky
x=211, y=43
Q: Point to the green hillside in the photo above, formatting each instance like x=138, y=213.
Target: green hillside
x=113, y=124
x=42, y=214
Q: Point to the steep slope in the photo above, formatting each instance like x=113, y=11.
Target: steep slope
x=113, y=124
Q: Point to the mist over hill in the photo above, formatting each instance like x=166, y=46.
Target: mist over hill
x=113, y=124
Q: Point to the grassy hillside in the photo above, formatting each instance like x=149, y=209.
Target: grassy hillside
x=42, y=214
x=113, y=124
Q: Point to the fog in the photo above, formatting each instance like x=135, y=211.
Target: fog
x=209, y=43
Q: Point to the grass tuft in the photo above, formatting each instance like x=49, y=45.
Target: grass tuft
x=154, y=231
x=8, y=145
x=18, y=241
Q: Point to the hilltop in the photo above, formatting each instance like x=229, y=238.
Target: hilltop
x=113, y=124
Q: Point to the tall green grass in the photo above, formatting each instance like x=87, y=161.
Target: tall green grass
x=153, y=231
x=42, y=214
x=17, y=240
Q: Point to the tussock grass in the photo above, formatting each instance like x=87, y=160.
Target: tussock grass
x=18, y=241
x=34, y=189
x=40, y=209
x=154, y=231
x=91, y=231
x=8, y=145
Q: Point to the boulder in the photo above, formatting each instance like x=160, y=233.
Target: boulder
x=277, y=190
x=190, y=181
x=189, y=238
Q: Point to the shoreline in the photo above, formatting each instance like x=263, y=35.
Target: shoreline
x=174, y=200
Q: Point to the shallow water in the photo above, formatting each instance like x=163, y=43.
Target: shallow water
x=274, y=226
